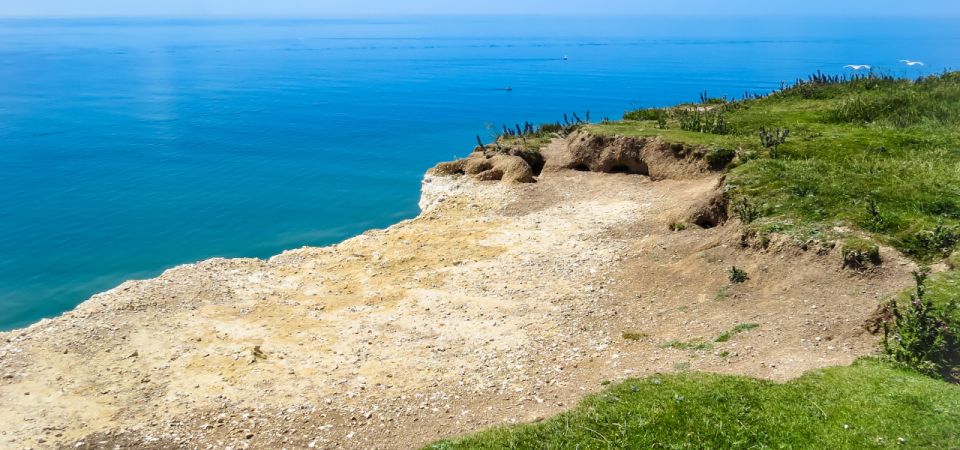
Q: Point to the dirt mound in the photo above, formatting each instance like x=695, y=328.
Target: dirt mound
x=514, y=166
x=634, y=155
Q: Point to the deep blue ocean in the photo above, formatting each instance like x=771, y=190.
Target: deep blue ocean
x=128, y=146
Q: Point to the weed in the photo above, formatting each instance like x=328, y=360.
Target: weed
x=739, y=328
x=722, y=294
x=719, y=158
x=858, y=252
x=634, y=335
x=937, y=242
x=924, y=336
x=678, y=226
x=772, y=139
x=746, y=211
x=738, y=275
x=682, y=345
x=647, y=114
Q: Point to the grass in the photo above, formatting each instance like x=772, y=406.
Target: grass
x=682, y=345
x=866, y=405
x=634, y=335
x=875, y=154
x=739, y=328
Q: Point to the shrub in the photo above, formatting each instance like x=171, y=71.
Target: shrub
x=934, y=243
x=738, y=275
x=719, y=158
x=923, y=336
x=646, y=114
x=858, y=252
x=740, y=328
x=771, y=139
x=634, y=335
x=710, y=121
x=746, y=211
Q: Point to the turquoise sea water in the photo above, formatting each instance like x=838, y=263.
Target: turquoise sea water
x=130, y=146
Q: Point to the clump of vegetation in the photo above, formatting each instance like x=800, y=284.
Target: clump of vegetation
x=701, y=121
x=683, y=345
x=722, y=294
x=922, y=335
x=738, y=275
x=708, y=100
x=881, y=406
x=646, y=114
x=772, y=139
x=746, y=211
x=937, y=242
x=678, y=226
x=634, y=335
x=720, y=157
x=857, y=253
x=739, y=328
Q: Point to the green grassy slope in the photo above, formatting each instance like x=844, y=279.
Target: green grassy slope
x=877, y=155
x=866, y=405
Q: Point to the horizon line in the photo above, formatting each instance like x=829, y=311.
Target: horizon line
x=426, y=14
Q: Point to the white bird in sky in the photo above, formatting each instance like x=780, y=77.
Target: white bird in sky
x=911, y=63
x=857, y=66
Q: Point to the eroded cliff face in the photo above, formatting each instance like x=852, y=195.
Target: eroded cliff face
x=501, y=302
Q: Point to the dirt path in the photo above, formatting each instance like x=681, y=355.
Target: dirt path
x=500, y=303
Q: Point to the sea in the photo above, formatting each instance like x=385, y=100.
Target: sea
x=132, y=145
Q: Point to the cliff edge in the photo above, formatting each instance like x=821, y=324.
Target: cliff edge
x=501, y=302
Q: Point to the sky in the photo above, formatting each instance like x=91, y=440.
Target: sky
x=64, y=8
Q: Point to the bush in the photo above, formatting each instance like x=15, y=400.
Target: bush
x=858, y=252
x=937, y=242
x=746, y=211
x=646, y=114
x=738, y=275
x=923, y=336
x=720, y=157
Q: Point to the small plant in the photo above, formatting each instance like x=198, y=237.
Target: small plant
x=720, y=157
x=722, y=294
x=681, y=345
x=858, y=252
x=646, y=114
x=875, y=221
x=738, y=275
x=936, y=242
x=634, y=335
x=678, y=226
x=772, y=139
x=739, y=328
x=922, y=336
x=746, y=211
x=711, y=121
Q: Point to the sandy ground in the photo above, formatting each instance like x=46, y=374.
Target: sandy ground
x=498, y=304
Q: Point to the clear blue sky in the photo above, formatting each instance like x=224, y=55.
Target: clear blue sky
x=362, y=7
